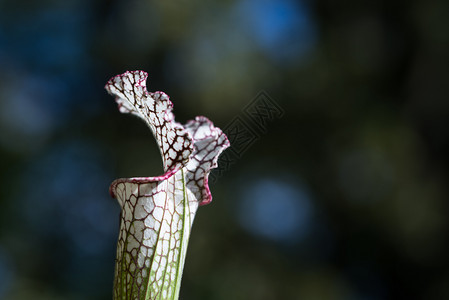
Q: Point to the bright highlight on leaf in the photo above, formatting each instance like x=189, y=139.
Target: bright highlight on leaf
x=158, y=212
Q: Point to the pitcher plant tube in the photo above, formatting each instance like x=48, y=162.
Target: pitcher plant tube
x=157, y=212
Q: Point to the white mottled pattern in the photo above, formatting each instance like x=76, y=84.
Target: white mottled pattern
x=158, y=212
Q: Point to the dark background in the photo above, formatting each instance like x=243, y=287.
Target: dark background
x=343, y=197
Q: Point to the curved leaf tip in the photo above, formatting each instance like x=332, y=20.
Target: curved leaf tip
x=194, y=146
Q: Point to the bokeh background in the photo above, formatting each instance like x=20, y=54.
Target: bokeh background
x=343, y=197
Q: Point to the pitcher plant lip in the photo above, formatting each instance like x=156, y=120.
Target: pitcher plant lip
x=184, y=154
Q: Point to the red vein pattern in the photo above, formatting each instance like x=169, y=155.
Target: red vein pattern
x=158, y=212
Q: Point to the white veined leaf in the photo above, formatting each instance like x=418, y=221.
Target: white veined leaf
x=158, y=212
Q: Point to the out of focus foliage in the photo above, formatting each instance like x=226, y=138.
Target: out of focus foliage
x=344, y=197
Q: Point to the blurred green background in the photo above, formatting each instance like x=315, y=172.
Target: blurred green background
x=343, y=197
